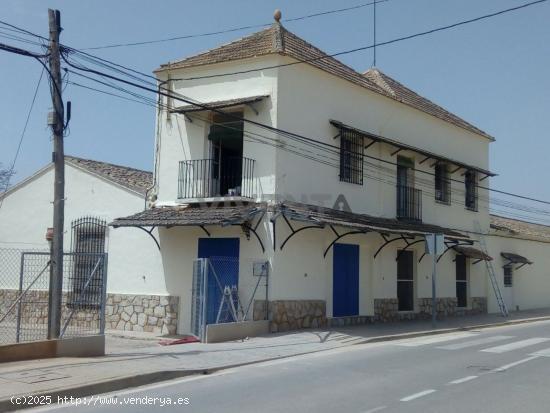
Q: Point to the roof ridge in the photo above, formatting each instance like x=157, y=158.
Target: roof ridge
x=454, y=119
x=212, y=49
x=69, y=157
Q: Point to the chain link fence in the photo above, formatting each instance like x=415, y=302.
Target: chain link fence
x=220, y=295
x=24, y=294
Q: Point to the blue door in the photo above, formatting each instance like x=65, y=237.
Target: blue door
x=345, y=284
x=224, y=257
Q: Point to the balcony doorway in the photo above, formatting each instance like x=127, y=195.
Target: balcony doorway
x=226, y=152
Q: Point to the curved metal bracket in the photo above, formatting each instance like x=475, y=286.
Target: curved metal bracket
x=388, y=241
x=294, y=232
x=339, y=237
x=455, y=244
x=150, y=232
x=247, y=228
x=409, y=244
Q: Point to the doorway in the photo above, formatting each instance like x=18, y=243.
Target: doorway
x=345, y=284
x=226, y=152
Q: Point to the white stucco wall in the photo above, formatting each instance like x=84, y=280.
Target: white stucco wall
x=180, y=139
x=179, y=246
x=308, y=98
x=135, y=265
x=531, y=284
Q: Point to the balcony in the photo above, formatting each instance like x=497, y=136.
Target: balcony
x=409, y=203
x=209, y=178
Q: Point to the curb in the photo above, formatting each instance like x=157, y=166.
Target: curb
x=394, y=337
x=120, y=383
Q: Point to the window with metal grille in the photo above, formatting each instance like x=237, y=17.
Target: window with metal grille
x=470, y=183
x=461, y=281
x=442, y=183
x=508, y=276
x=88, y=262
x=351, y=157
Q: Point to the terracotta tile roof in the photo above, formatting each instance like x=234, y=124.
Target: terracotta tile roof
x=130, y=178
x=405, y=95
x=190, y=215
x=278, y=40
x=521, y=229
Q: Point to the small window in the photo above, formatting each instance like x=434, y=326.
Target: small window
x=351, y=157
x=405, y=281
x=508, y=276
x=442, y=183
x=470, y=183
x=461, y=281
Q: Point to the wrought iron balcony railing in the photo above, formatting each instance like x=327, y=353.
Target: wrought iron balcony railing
x=209, y=178
x=409, y=203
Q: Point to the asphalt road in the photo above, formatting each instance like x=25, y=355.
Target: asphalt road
x=505, y=369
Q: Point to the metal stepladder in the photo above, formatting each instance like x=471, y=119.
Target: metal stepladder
x=230, y=306
x=491, y=271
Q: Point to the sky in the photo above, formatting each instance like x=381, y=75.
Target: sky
x=493, y=73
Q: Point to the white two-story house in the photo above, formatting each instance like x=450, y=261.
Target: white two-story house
x=270, y=151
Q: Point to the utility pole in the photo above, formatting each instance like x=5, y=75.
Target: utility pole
x=58, y=158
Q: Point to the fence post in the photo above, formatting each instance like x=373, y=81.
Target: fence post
x=21, y=272
x=206, y=266
x=103, y=295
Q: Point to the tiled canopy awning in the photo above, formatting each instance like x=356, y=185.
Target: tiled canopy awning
x=402, y=146
x=220, y=104
x=474, y=253
x=191, y=215
x=515, y=258
x=197, y=215
x=311, y=216
x=328, y=216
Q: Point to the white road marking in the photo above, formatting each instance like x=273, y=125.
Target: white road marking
x=542, y=353
x=516, y=363
x=516, y=345
x=463, y=380
x=422, y=341
x=473, y=343
x=376, y=409
x=417, y=395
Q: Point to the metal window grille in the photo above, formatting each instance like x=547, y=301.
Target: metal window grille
x=508, y=276
x=351, y=157
x=470, y=183
x=442, y=183
x=88, y=240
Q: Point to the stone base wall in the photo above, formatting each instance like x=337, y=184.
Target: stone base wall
x=150, y=313
x=445, y=307
x=385, y=310
x=286, y=315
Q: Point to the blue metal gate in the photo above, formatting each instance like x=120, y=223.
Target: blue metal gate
x=345, y=285
x=224, y=258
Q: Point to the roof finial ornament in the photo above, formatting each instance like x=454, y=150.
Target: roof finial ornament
x=277, y=15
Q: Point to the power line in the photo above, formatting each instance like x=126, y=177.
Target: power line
x=291, y=135
x=21, y=138
x=362, y=48
x=301, y=137
x=333, y=162
x=230, y=30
